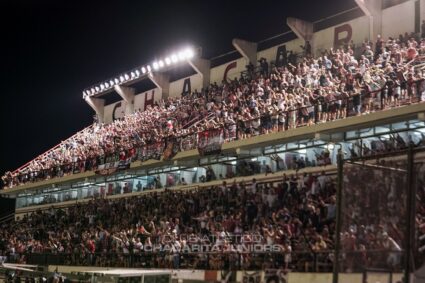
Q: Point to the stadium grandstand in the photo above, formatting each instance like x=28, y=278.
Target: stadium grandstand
x=302, y=159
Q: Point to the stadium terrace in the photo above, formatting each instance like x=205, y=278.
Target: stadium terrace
x=303, y=157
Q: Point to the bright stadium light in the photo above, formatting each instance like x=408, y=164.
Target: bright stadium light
x=143, y=70
x=117, y=81
x=127, y=77
x=155, y=65
x=92, y=90
x=174, y=58
x=133, y=75
x=161, y=63
x=121, y=78
x=88, y=92
x=137, y=73
x=167, y=61
x=111, y=82
x=106, y=85
x=97, y=88
x=181, y=56
x=189, y=53
x=149, y=68
x=102, y=86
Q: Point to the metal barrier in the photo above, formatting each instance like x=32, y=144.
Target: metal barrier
x=300, y=261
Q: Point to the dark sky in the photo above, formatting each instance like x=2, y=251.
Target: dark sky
x=52, y=50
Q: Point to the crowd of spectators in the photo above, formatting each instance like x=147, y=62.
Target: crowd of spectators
x=294, y=214
x=216, y=227
x=314, y=90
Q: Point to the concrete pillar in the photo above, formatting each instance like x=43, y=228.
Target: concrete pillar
x=372, y=9
x=202, y=67
x=127, y=94
x=247, y=49
x=303, y=30
x=162, y=81
x=98, y=105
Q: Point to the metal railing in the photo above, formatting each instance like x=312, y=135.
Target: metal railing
x=300, y=261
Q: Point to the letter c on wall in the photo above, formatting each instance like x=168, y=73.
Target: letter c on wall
x=117, y=105
x=228, y=68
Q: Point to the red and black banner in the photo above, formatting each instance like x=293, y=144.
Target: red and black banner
x=112, y=167
x=152, y=151
x=210, y=142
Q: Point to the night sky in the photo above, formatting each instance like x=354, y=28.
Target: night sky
x=52, y=50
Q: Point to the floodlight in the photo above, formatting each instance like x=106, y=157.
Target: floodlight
x=133, y=75
x=161, y=63
x=106, y=85
x=167, y=60
x=137, y=73
x=143, y=70
x=102, y=86
x=97, y=89
x=116, y=81
x=189, y=53
x=92, y=90
x=181, y=56
x=155, y=65
x=111, y=82
x=121, y=78
x=174, y=58
x=149, y=68
x=127, y=77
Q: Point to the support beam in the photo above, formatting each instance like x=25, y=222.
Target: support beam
x=247, y=49
x=422, y=12
x=202, y=67
x=372, y=9
x=303, y=30
x=98, y=105
x=162, y=81
x=127, y=94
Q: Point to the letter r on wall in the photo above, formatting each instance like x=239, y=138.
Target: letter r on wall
x=339, y=31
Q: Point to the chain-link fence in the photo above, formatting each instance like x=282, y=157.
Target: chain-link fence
x=381, y=216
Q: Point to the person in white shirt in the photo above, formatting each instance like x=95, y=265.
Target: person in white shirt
x=391, y=245
x=253, y=187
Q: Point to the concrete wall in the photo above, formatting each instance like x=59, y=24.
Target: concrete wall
x=356, y=30
x=139, y=99
x=231, y=70
x=398, y=19
x=116, y=110
x=177, y=87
